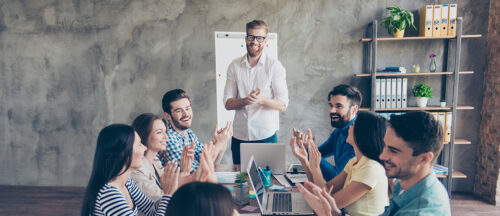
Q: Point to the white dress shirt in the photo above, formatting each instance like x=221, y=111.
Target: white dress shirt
x=256, y=122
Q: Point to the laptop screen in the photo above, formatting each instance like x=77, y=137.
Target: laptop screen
x=256, y=181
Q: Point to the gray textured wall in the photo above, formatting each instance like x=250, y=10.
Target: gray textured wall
x=68, y=68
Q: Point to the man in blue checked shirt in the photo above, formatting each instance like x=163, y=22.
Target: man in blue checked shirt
x=183, y=145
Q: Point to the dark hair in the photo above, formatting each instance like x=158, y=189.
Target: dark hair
x=369, y=132
x=113, y=152
x=257, y=24
x=420, y=130
x=201, y=198
x=143, y=125
x=172, y=96
x=351, y=92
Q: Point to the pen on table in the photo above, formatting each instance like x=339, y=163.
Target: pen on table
x=281, y=190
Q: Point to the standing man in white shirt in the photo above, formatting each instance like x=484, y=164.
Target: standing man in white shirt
x=256, y=89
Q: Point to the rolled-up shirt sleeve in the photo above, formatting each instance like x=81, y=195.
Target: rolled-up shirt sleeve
x=278, y=83
x=231, y=88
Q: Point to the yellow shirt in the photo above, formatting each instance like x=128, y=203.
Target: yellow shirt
x=371, y=173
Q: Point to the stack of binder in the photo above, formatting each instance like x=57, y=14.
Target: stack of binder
x=391, y=93
x=438, y=20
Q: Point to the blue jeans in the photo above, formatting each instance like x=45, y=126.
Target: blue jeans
x=235, y=146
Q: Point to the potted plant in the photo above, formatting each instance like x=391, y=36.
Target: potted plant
x=422, y=92
x=240, y=192
x=397, y=21
x=442, y=102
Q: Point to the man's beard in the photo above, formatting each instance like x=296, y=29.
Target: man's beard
x=178, y=125
x=342, y=120
x=256, y=53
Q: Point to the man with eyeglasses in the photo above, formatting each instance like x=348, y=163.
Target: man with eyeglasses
x=256, y=89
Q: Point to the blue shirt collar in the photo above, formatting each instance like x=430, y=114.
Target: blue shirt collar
x=412, y=192
x=345, y=129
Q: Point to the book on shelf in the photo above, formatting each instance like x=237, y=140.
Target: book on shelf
x=440, y=168
x=392, y=70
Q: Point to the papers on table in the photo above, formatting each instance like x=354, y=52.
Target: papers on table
x=226, y=177
x=281, y=179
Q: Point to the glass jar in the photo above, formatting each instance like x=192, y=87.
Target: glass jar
x=432, y=66
x=240, y=194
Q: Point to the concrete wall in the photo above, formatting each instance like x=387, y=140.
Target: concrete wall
x=69, y=68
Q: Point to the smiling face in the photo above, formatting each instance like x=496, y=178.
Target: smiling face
x=157, y=139
x=254, y=48
x=341, y=111
x=398, y=158
x=181, y=114
x=138, y=150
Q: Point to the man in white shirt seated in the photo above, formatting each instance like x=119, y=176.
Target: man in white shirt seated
x=256, y=89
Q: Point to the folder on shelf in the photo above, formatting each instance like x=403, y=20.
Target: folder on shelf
x=426, y=21
x=442, y=120
x=435, y=114
x=377, y=93
x=404, y=92
x=452, y=20
x=447, y=131
x=382, y=93
x=388, y=94
x=394, y=93
x=444, y=20
x=398, y=92
x=436, y=21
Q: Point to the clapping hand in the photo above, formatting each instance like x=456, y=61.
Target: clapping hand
x=319, y=199
x=305, y=138
x=300, y=152
x=170, y=178
x=314, y=155
x=254, y=97
x=222, y=136
x=206, y=170
x=187, y=158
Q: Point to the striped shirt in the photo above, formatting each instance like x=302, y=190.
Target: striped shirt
x=110, y=201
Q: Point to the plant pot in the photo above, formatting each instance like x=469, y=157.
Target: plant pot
x=422, y=102
x=398, y=33
x=240, y=194
x=443, y=104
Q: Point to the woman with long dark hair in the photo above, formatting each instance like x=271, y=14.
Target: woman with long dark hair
x=153, y=132
x=361, y=188
x=201, y=199
x=111, y=191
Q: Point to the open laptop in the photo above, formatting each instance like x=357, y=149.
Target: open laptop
x=276, y=203
x=268, y=154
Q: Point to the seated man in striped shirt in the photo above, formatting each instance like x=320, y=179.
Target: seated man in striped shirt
x=176, y=106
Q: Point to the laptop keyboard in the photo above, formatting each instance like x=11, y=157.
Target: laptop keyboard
x=282, y=202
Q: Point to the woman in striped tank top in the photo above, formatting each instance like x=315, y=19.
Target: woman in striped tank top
x=111, y=191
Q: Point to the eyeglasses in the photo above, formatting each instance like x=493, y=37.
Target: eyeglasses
x=260, y=39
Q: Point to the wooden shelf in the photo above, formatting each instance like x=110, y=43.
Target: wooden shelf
x=460, y=142
x=428, y=108
x=419, y=38
x=411, y=74
x=456, y=174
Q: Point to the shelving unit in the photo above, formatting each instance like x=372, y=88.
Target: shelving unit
x=452, y=74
